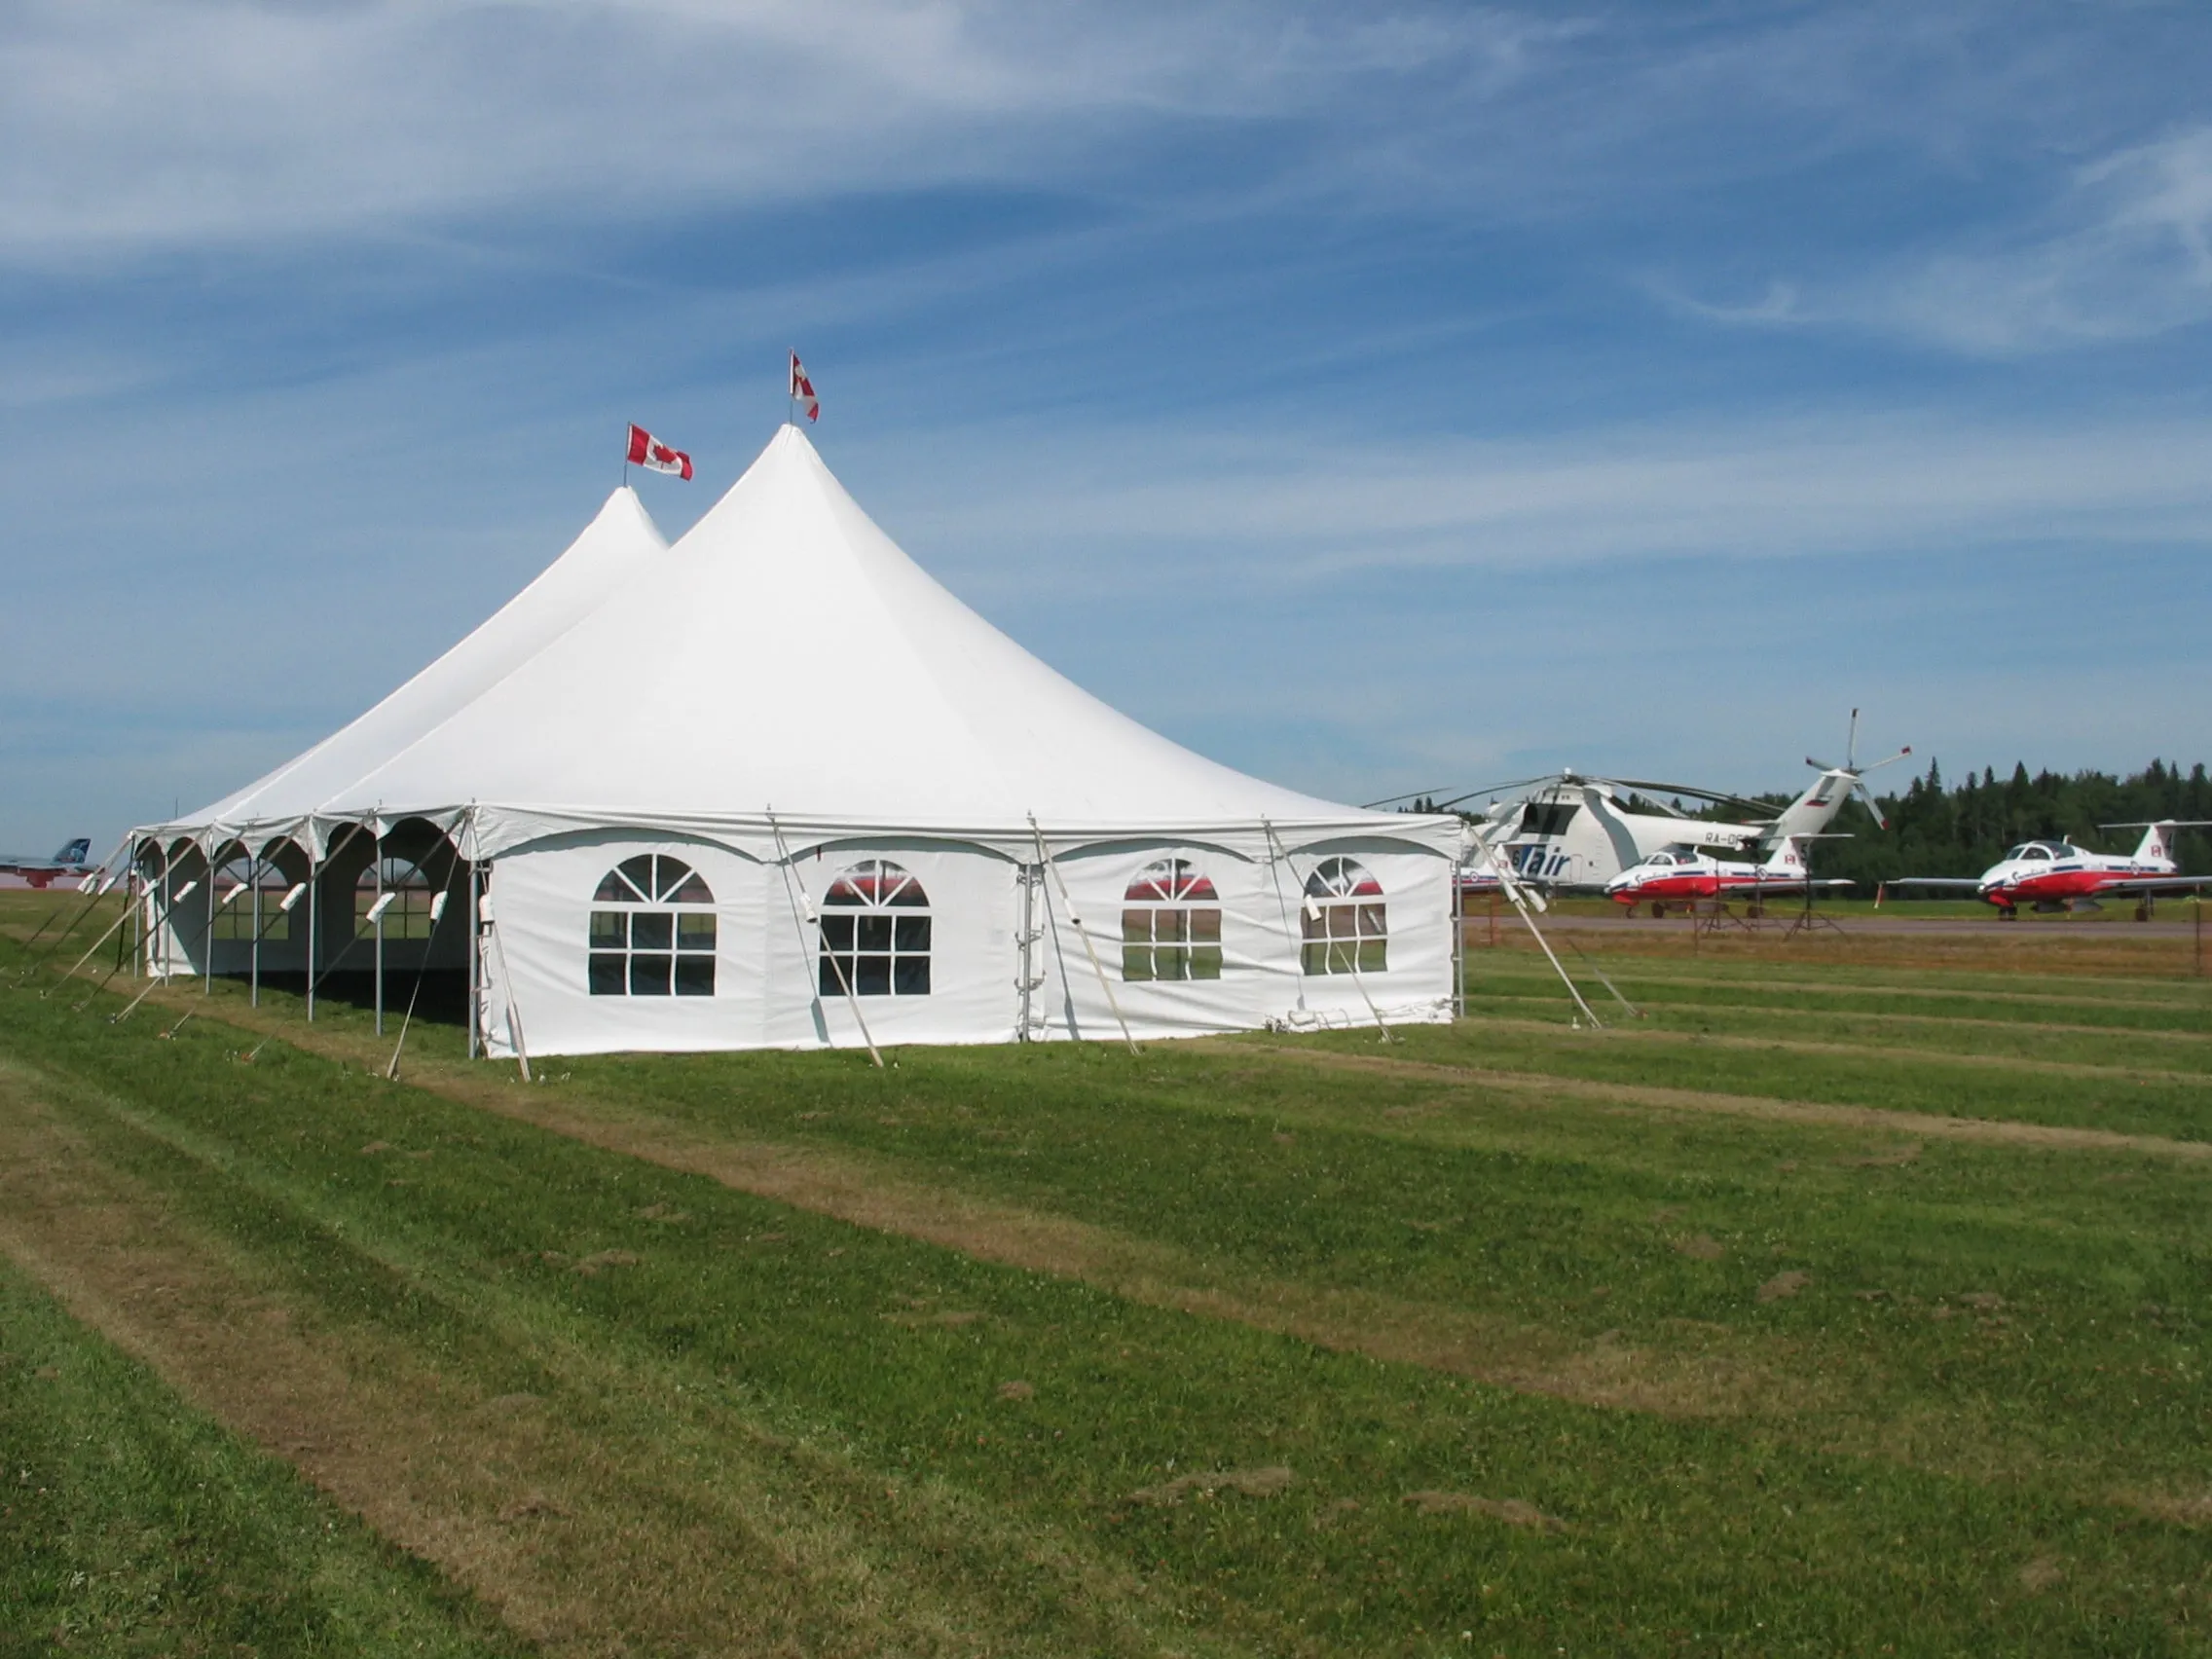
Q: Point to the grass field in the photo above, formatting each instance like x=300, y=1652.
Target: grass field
x=1852, y=1299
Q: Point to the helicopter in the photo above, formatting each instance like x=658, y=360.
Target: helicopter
x=1567, y=831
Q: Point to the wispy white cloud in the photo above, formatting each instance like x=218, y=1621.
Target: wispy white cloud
x=127, y=122
x=2121, y=250
x=1323, y=514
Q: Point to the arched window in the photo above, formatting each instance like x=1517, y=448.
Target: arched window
x=882, y=940
x=233, y=917
x=408, y=915
x=1347, y=927
x=652, y=934
x=1170, y=924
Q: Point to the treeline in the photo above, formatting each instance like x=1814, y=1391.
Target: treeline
x=1939, y=828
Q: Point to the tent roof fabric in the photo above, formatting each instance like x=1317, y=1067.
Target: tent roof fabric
x=784, y=655
x=617, y=544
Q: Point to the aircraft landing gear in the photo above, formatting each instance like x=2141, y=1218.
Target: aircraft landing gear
x=1657, y=909
x=2007, y=913
x=1754, y=909
x=2142, y=912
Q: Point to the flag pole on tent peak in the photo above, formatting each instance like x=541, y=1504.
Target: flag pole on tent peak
x=802, y=392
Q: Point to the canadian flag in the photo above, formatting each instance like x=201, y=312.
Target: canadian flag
x=802, y=389
x=650, y=452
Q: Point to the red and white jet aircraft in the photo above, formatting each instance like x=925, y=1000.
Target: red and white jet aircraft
x=1681, y=875
x=2058, y=876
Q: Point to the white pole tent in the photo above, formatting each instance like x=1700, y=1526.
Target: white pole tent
x=774, y=787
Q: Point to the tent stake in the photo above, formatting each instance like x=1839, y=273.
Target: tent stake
x=1045, y=857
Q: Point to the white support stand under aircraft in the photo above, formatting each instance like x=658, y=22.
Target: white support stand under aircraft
x=1567, y=830
x=2058, y=876
x=1681, y=875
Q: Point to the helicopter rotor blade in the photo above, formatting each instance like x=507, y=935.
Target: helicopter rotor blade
x=1860, y=788
x=1764, y=809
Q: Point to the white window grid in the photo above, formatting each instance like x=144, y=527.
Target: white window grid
x=653, y=931
x=875, y=932
x=1347, y=920
x=1170, y=924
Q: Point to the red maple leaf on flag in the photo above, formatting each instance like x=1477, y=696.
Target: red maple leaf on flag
x=648, y=452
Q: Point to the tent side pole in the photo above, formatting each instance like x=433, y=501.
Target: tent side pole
x=377, y=853
x=315, y=904
x=1045, y=857
x=806, y=901
x=253, y=968
x=1459, y=946
x=475, y=958
x=1296, y=938
x=1029, y=875
x=207, y=938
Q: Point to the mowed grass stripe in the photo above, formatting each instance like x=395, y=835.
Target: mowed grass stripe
x=1665, y=1531
x=2135, y=1006
x=2166, y=990
x=582, y=1489
x=2168, y=1105
x=1541, y=1211
x=2044, y=1049
x=1541, y=999
x=130, y=1521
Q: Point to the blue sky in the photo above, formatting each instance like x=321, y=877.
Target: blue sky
x=1373, y=398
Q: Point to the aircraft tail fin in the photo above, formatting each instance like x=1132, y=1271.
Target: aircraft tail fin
x=1786, y=859
x=75, y=852
x=2157, y=837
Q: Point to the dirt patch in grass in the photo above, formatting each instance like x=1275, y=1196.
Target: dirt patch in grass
x=591, y=1266
x=1701, y=1248
x=1272, y=1481
x=2041, y=1573
x=1987, y=1131
x=1510, y=1510
x=1783, y=1286
x=1897, y=1157
x=2193, y=1511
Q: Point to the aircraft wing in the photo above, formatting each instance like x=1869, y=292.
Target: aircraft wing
x=2150, y=886
x=1962, y=883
